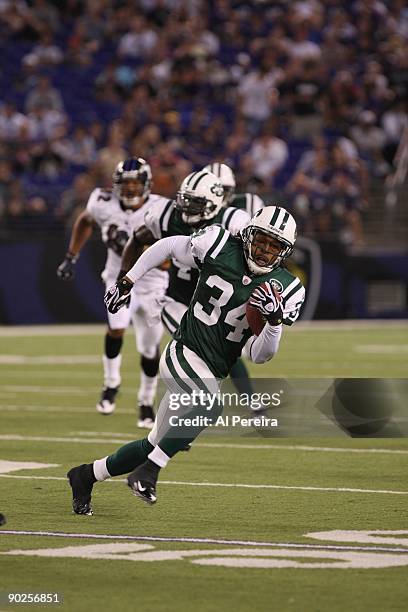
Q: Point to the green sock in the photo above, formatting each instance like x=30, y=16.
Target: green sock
x=171, y=446
x=177, y=439
x=128, y=457
x=240, y=378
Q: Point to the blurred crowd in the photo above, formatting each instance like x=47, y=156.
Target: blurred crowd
x=305, y=100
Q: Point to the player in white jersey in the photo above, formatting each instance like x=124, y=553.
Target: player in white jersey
x=117, y=212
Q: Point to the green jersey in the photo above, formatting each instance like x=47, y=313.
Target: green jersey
x=164, y=220
x=215, y=326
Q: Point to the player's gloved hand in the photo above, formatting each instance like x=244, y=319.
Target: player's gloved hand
x=118, y=295
x=269, y=303
x=65, y=270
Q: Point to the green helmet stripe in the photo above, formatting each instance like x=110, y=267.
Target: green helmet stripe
x=191, y=177
x=275, y=216
x=199, y=179
x=284, y=222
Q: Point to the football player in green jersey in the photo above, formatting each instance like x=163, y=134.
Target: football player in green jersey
x=213, y=334
x=200, y=202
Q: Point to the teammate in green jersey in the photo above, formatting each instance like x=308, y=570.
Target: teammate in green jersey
x=170, y=218
x=213, y=334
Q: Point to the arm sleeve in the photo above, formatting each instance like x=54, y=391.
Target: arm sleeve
x=265, y=346
x=157, y=217
x=178, y=247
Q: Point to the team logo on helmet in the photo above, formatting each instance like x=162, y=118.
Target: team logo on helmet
x=217, y=189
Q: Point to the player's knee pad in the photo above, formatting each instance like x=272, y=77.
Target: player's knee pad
x=150, y=365
x=113, y=345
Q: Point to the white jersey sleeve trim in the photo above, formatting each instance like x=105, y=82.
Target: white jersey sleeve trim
x=157, y=217
x=293, y=305
x=206, y=239
x=220, y=245
x=166, y=218
x=291, y=286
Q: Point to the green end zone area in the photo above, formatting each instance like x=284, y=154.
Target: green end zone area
x=49, y=385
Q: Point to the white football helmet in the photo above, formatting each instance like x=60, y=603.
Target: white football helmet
x=200, y=197
x=227, y=179
x=275, y=222
x=132, y=169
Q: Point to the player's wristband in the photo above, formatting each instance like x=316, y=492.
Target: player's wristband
x=121, y=274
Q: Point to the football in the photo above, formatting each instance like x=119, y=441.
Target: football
x=254, y=316
x=255, y=319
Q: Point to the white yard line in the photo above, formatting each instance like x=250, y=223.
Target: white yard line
x=379, y=349
x=49, y=359
x=233, y=485
x=186, y=540
x=6, y=389
x=66, y=409
x=321, y=449
x=124, y=438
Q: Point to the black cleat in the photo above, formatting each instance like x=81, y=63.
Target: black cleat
x=146, y=417
x=81, y=479
x=143, y=481
x=106, y=404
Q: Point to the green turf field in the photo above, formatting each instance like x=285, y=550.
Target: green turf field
x=211, y=542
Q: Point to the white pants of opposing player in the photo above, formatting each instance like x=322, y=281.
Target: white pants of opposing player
x=183, y=372
x=172, y=314
x=144, y=313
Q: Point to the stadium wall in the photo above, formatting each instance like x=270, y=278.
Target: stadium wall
x=340, y=286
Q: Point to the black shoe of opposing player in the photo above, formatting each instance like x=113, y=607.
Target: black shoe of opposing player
x=106, y=404
x=146, y=417
x=81, y=479
x=143, y=481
